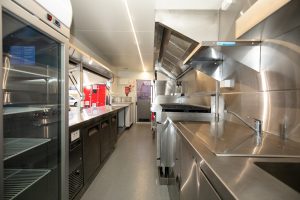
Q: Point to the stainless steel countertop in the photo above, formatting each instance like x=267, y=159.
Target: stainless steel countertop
x=239, y=174
x=79, y=117
x=122, y=103
x=219, y=137
x=226, y=138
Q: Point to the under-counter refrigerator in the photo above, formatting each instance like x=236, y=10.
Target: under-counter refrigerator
x=33, y=102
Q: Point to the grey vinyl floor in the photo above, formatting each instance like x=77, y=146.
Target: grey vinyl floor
x=130, y=172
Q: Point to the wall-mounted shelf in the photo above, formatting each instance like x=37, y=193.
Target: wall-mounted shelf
x=17, y=146
x=17, y=181
x=258, y=12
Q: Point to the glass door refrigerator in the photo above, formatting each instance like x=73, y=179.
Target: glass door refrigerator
x=33, y=102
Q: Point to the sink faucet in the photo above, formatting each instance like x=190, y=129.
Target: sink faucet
x=257, y=127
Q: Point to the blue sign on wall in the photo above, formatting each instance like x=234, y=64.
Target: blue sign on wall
x=22, y=55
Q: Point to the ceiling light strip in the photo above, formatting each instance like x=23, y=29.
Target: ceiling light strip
x=134, y=34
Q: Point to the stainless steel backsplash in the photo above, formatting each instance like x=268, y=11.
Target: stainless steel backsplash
x=197, y=88
x=272, y=94
x=267, y=77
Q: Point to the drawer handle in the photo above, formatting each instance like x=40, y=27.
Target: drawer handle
x=93, y=131
x=104, y=125
x=178, y=182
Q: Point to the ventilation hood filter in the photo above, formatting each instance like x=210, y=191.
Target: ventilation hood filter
x=172, y=48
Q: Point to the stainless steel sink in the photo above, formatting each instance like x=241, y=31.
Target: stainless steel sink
x=286, y=172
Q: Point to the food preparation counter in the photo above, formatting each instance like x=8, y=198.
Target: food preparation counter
x=225, y=138
x=121, y=104
x=78, y=118
x=244, y=175
x=93, y=137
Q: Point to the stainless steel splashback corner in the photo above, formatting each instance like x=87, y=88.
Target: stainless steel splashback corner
x=198, y=83
x=266, y=75
x=272, y=94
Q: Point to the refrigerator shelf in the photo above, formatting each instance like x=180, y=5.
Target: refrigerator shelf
x=17, y=181
x=25, y=75
x=17, y=146
x=17, y=110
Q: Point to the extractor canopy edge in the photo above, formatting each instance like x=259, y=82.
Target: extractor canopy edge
x=175, y=53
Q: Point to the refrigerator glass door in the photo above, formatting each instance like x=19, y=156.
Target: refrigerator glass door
x=31, y=111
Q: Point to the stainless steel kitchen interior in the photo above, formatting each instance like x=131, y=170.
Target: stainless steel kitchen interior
x=150, y=100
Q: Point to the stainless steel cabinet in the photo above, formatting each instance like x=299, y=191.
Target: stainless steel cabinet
x=129, y=115
x=121, y=120
x=206, y=189
x=174, y=185
x=189, y=183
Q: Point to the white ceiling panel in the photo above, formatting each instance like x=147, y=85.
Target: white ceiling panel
x=119, y=42
x=131, y=62
x=188, y=4
x=143, y=14
x=105, y=26
x=100, y=15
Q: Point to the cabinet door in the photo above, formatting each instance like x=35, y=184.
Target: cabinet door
x=105, y=138
x=206, y=190
x=113, y=129
x=189, y=184
x=91, y=151
x=31, y=128
x=174, y=187
x=177, y=167
x=127, y=116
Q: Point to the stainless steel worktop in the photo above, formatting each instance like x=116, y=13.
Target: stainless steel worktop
x=239, y=174
x=79, y=117
x=122, y=104
x=225, y=138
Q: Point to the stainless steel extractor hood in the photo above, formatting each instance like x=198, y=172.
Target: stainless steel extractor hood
x=171, y=49
x=209, y=56
x=76, y=56
x=175, y=53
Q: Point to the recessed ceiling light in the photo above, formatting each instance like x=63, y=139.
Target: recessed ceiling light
x=90, y=61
